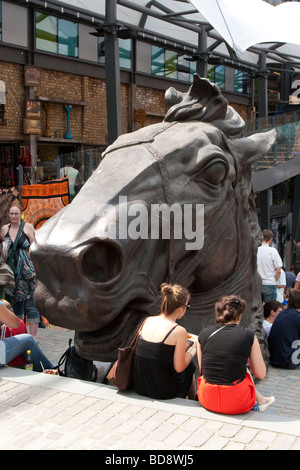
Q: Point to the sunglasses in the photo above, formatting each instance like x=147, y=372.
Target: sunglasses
x=187, y=306
x=235, y=303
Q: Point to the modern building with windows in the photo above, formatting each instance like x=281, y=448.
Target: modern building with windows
x=75, y=75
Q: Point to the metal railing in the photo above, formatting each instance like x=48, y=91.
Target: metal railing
x=287, y=145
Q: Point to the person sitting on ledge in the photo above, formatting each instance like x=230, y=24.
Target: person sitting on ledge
x=162, y=367
x=14, y=346
x=271, y=310
x=284, y=338
x=226, y=386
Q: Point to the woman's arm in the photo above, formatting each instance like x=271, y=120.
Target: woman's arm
x=256, y=361
x=199, y=356
x=7, y=317
x=181, y=358
x=3, y=230
x=30, y=232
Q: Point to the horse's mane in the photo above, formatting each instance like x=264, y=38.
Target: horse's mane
x=203, y=102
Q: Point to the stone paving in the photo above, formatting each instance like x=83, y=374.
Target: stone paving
x=42, y=412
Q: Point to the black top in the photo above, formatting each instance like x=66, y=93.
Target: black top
x=225, y=354
x=285, y=330
x=154, y=372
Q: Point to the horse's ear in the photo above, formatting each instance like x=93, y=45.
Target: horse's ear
x=250, y=149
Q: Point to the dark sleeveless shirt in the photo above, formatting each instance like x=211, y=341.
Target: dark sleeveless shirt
x=154, y=372
x=225, y=354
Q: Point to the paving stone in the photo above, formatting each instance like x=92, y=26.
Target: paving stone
x=246, y=435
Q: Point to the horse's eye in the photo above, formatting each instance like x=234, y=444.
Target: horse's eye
x=213, y=173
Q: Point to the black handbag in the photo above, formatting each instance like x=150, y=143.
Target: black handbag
x=76, y=367
x=121, y=373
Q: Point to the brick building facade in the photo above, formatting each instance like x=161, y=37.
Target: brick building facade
x=77, y=78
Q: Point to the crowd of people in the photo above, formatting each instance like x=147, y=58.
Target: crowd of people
x=229, y=355
x=281, y=300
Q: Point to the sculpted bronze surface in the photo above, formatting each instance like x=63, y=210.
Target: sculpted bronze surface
x=97, y=277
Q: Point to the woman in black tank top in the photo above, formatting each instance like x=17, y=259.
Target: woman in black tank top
x=224, y=350
x=162, y=367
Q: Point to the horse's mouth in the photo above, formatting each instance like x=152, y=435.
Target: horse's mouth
x=102, y=345
x=99, y=344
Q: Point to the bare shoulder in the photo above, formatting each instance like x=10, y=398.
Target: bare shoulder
x=180, y=331
x=30, y=231
x=4, y=229
x=29, y=227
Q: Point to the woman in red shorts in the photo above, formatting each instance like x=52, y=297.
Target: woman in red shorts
x=225, y=385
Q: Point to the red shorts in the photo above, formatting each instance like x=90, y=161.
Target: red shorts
x=227, y=399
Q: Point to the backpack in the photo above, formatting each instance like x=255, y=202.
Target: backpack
x=76, y=367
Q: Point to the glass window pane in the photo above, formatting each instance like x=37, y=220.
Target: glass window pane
x=157, y=61
x=193, y=67
x=238, y=81
x=170, y=64
x=125, y=53
x=46, y=32
x=220, y=76
x=183, y=68
x=67, y=38
x=211, y=73
x=101, y=50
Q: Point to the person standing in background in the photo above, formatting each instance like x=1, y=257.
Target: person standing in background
x=19, y=235
x=290, y=277
x=281, y=284
x=269, y=264
x=71, y=173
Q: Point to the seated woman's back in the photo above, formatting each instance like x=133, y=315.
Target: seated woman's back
x=162, y=369
x=157, y=328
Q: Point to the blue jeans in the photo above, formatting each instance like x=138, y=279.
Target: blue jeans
x=26, y=307
x=19, y=344
x=268, y=293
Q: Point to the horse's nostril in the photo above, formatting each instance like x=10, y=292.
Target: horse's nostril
x=103, y=262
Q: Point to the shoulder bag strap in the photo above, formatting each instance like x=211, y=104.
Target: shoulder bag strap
x=12, y=251
x=215, y=332
x=136, y=337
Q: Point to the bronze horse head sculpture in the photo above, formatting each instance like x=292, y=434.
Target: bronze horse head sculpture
x=99, y=261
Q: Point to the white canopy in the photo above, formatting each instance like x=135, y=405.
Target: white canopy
x=245, y=23
x=237, y=29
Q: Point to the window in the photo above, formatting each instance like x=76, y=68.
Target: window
x=185, y=69
x=242, y=82
x=67, y=38
x=158, y=61
x=56, y=35
x=170, y=64
x=124, y=52
x=167, y=63
x=220, y=76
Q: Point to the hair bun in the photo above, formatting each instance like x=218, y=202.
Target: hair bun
x=166, y=289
